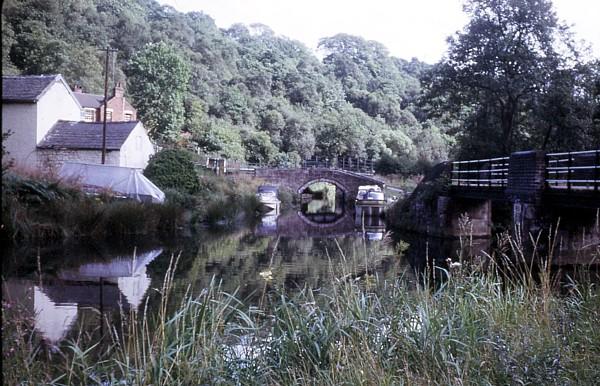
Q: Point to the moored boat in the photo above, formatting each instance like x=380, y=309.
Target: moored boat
x=370, y=195
x=267, y=196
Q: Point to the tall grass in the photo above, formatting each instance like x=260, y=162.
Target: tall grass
x=43, y=209
x=481, y=326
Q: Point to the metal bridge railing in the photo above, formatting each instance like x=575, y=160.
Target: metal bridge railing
x=358, y=165
x=483, y=173
x=579, y=170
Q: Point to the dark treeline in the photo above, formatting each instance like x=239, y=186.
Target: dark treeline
x=512, y=79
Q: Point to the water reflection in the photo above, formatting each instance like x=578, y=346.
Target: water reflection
x=56, y=300
x=52, y=319
x=323, y=202
x=371, y=227
x=67, y=289
x=129, y=274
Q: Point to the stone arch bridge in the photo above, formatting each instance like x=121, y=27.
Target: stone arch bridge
x=300, y=179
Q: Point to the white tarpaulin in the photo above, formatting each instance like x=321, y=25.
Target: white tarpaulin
x=128, y=182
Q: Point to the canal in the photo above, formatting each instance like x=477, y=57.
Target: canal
x=73, y=288
x=79, y=287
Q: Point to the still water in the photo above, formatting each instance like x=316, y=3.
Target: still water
x=71, y=289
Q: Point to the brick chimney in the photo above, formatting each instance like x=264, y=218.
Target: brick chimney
x=118, y=90
x=77, y=88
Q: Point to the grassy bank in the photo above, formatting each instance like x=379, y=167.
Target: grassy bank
x=44, y=209
x=477, y=328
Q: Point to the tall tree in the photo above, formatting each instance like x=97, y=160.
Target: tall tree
x=157, y=79
x=498, y=68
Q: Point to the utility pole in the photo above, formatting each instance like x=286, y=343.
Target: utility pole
x=108, y=51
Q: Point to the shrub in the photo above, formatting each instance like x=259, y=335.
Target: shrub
x=289, y=199
x=389, y=164
x=173, y=168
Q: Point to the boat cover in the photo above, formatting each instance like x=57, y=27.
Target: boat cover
x=129, y=182
x=267, y=189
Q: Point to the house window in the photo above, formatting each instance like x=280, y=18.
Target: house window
x=128, y=116
x=88, y=115
x=109, y=115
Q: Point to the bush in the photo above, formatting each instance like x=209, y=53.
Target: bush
x=389, y=164
x=289, y=199
x=173, y=168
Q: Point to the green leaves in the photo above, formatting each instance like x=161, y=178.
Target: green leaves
x=506, y=80
x=173, y=169
x=158, y=80
x=238, y=82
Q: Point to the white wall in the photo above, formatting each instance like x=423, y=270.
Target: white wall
x=137, y=149
x=57, y=103
x=21, y=120
x=30, y=122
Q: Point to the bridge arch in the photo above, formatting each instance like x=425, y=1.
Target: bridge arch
x=299, y=179
x=332, y=181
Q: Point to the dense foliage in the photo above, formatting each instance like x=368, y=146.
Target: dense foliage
x=40, y=209
x=512, y=79
x=173, y=168
x=157, y=82
x=251, y=94
x=516, y=80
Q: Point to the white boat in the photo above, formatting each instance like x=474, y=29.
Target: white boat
x=267, y=196
x=370, y=195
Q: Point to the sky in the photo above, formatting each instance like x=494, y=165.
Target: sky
x=408, y=28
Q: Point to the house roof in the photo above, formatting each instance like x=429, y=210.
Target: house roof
x=89, y=100
x=87, y=135
x=26, y=88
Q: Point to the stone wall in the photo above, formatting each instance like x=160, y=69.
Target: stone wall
x=298, y=179
x=52, y=160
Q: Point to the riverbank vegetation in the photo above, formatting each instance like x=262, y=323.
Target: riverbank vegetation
x=42, y=208
x=480, y=326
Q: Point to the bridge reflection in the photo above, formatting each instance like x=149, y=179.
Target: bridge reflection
x=300, y=225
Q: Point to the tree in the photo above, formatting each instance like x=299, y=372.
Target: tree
x=173, y=168
x=158, y=79
x=220, y=137
x=8, y=39
x=497, y=69
x=236, y=81
x=259, y=148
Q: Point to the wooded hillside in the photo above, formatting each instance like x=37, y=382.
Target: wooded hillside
x=248, y=93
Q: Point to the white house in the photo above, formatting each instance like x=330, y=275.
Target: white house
x=31, y=105
x=127, y=144
x=43, y=117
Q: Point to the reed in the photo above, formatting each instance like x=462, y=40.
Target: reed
x=501, y=323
